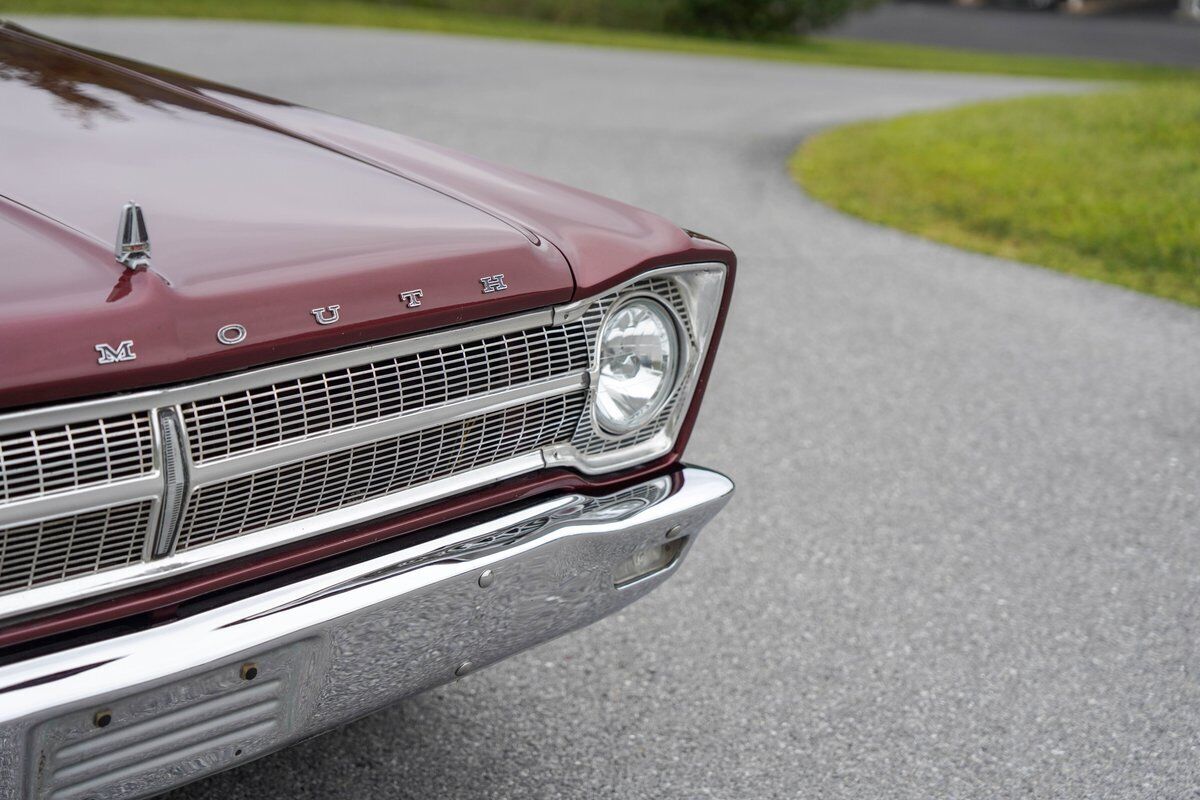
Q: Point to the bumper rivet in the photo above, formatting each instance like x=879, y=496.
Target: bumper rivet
x=463, y=669
x=487, y=579
x=674, y=531
x=102, y=719
x=249, y=671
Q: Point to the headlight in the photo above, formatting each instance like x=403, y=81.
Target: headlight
x=650, y=337
x=638, y=364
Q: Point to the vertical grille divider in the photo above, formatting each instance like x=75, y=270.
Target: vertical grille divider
x=175, y=481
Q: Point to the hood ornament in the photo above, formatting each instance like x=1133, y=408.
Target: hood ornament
x=133, y=242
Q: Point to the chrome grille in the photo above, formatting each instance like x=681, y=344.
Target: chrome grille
x=339, y=479
x=62, y=457
x=126, y=484
x=296, y=409
x=57, y=549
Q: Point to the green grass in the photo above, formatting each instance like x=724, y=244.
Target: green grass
x=1105, y=185
x=808, y=50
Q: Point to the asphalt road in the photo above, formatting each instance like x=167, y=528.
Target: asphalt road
x=963, y=557
x=1152, y=36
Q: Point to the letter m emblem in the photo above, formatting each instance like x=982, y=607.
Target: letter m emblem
x=111, y=355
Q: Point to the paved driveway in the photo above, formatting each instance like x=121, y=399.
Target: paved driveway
x=963, y=557
x=1152, y=36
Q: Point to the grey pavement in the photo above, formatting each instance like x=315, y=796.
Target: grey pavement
x=1153, y=38
x=962, y=561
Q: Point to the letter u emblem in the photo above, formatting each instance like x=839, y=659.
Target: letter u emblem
x=327, y=315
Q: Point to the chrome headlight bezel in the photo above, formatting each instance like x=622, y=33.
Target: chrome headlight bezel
x=693, y=293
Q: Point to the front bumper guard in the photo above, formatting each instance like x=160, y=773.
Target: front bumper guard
x=148, y=711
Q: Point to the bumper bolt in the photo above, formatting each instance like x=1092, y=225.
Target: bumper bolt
x=463, y=669
x=249, y=671
x=674, y=531
x=102, y=719
x=487, y=579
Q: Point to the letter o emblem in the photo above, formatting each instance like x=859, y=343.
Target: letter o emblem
x=231, y=334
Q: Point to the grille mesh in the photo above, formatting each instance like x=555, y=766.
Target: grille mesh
x=54, y=550
x=298, y=409
x=339, y=479
x=79, y=454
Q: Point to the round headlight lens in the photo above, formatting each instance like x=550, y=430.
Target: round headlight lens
x=639, y=353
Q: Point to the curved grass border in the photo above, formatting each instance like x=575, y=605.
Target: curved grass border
x=1105, y=185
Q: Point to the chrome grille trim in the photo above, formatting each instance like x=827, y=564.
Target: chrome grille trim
x=53, y=550
x=232, y=467
x=227, y=548
x=175, y=481
x=200, y=557
x=362, y=415
x=271, y=415
x=345, y=477
x=65, y=457
x=40, y=508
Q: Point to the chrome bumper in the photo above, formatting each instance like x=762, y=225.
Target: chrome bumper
x=148, y=711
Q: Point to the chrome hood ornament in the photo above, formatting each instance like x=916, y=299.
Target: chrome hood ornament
x=133, y=242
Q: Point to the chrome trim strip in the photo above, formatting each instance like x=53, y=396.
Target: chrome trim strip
x=359, y=512
x=334, y=646
x=175, y=481
x=299, y=449
x=74, y=501
x=185, y=393
x=567, y=455
x=42, y=597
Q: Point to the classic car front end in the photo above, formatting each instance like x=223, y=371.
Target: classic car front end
x=327, y=417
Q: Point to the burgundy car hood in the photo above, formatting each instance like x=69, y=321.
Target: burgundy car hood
x=260, y=212
x=249, y=224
